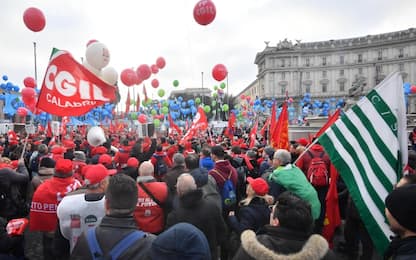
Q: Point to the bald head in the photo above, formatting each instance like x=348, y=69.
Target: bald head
x=185, y=184
x=146, y=169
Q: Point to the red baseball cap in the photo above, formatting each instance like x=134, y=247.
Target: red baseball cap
x=105, y=159
x=259, y=185
x=96, y=173
x=63, y=166
x=133, y=162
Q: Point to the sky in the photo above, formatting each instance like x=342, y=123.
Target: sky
x=138, y=32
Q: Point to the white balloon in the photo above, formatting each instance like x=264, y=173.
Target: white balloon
x=97, y=55
x=91, y=68
x=109, y=75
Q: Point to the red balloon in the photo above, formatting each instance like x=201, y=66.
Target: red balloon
x=413, y=89
x=28, y=96
x=21, y=111
x=219, y=72
x=29, y=82
x=128, y=77
x=204, y=12
x=154, y=68
x=34, y=19
x=142, y=118
x=143, y=71
x=242, y=96
x=155, y=83
x=160, y=62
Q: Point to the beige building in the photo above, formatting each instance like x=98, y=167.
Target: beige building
x=334, y=68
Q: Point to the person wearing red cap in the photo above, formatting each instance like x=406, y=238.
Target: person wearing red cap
x=45, y=202
x=123, y=154
x=77, y=213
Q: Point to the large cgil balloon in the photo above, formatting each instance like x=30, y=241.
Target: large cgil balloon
x=128, y=77
x=34, y=19
x=160, y=62
x=109, y=75
x=204, y=12
x=29, y=82
x=155, y=83
x=143, y=71
x=219, y=72
x=97, y=55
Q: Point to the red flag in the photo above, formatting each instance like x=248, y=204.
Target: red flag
x=280, y=133
x=138, y=102
x=331, y=120
x=69, y=89
x=200, y=123
x=128, y=102
x=49, y=130
x=253, y=134
x=263, y=129
x=230, y=130
x=272, y=120
x=332, y=215
x=173, y=126
x=64, y=121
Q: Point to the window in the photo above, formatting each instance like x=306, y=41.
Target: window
x=283, y=75
x=282, y=64
x=401, y=53
x=360, y=58
x=308, y=74
x=283, y=90
x=308, y=62
x=341, y=73
x=341, y=60
x=324, y=74
x=360, y=71
x=323, y=61
x=308, y=89
x=324, y=87
x=380, y=55
x=401, y=66
x=342, y=86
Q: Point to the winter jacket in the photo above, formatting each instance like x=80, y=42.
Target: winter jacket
x=111, y=230
x=122, y=156
x=207, y=163
x=43, y=175
x=316, y=150
x=401, y=249
x=203, y=214
x=172, y=176
x=281, y=243
x=253, y=216
x=224, y=168
x=293, y=180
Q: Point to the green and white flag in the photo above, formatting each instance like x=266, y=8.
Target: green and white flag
x=368, y=146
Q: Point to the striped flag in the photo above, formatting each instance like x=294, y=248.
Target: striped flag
x=368, y=146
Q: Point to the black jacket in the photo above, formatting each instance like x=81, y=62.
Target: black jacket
x=109, y=233
x=203, y=214
x=282, y=243
x=253, y=216
x=172, y=176
x=401, y=249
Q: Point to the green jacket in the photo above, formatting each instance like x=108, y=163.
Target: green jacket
x=294, y=180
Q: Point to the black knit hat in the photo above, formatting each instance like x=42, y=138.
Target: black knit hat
x=47, y=162
x=401, y=203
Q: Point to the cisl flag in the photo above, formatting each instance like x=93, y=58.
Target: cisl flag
x=69, y=89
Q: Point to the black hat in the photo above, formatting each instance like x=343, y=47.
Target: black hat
x=47, y=162
x=401, y=203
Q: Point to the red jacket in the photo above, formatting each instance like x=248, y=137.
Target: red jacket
x=165, y=157
x=122, y=156
x=316, y=150
x=45, y=202
x=149, y=216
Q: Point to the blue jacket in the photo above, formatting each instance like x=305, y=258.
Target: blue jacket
x=206, y=163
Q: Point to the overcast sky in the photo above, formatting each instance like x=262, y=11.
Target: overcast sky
x=137, y=32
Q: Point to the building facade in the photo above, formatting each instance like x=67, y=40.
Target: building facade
x=334, y=68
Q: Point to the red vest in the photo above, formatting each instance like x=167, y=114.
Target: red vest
x=148, y=214
x=45, y=202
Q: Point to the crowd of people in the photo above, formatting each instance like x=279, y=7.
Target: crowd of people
x=158, y=198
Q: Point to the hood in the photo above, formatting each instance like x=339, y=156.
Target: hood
x=191, y=198
x=317, y=148
x=316, y=247
x=223, y=166
x=200, y=175
x=181, y=241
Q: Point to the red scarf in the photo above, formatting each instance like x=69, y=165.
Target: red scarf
x=45, y=202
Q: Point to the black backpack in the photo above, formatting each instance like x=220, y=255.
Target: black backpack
x=161, y=168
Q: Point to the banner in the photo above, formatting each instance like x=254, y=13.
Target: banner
x=200, y=123
x=69, y=89
x=368, y=146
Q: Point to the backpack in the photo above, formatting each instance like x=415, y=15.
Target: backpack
x=228, y=193
x=161, y=167
x=117, y=250
x=317, y=172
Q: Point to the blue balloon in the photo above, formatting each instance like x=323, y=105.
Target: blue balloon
x=184, y=104
x=191, y=102
x=5, y=78
x=180, y=98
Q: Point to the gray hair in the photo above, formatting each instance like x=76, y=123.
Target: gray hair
x=185, y=183
x=283, y=156
x=146, y=169
x=178, y=159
